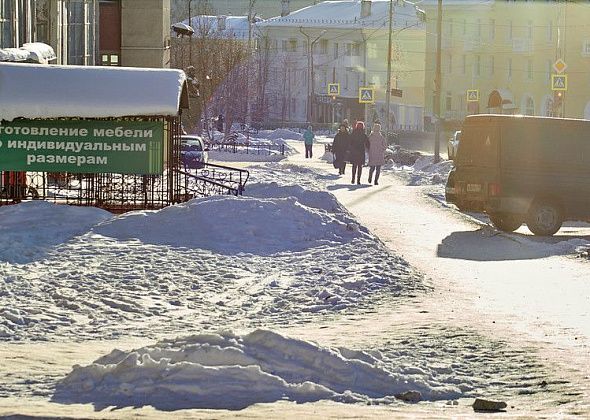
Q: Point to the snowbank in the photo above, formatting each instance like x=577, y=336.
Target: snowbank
x=423, y=170
x=232, y=372
x=231, y=225
x=28, y=230
x=280, y=133
x=242, y=156
x=315, y=199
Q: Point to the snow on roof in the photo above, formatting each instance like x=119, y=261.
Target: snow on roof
x=235, y=26
x=37, y=52
x=42, y=91
x=339, y=14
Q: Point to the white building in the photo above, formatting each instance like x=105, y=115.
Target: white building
x=349, y=44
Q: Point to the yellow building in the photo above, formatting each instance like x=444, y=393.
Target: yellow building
x=503, y=54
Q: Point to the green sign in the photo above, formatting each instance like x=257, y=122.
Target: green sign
x=82, y=146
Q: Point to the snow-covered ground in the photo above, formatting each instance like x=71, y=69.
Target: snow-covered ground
x=282, y=295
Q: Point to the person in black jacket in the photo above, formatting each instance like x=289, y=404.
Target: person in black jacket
x=340, y=148
x=358, y=141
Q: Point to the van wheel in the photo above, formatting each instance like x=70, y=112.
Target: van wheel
x=544, y=218
x=506, y=222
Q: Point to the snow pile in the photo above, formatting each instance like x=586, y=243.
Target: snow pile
x=232, y=225
x=280, y=133
x=426, y=172
x=401, y=156
x=232, y=372
x=242, y=155
x=30, y=229
x=310, y=198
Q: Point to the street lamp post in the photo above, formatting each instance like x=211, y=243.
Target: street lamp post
x=422, y=17
x=310, y=84
x=438, y=84
x=388, y=92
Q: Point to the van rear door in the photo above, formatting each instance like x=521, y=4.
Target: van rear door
x=477, y=160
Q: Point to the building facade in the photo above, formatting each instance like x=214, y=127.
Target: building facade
x=134, y=33
x=503, y=54
x=69, y=26
x=345, y=43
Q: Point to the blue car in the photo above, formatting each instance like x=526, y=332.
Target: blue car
x=193, y=153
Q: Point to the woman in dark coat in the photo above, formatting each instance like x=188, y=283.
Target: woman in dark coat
x=340, y=148
x=358, y=141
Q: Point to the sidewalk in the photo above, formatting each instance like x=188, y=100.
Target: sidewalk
x=483, y=280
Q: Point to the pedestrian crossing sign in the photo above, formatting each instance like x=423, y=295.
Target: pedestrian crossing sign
x=334, y=89
x=366, y=95
x=472, y=95
x=559, y=82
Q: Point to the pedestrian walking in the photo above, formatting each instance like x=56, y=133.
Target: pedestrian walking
x=377, y=148
x=220, y=123
x=340, y=148
x=358, y=140
x=308, y=138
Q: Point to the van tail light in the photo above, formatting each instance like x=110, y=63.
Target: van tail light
x=494, y=189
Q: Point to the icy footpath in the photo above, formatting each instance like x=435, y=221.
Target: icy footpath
x=232, y=372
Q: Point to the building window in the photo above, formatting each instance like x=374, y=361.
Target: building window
x=477, y=68
x=451, y=27
x=293, y=45
x=80, y=31
x=492, y=65
x=450, y=61
x=529, y=69
x=529, y=108
x=356, y=49
x=6, y=34
x=335, y=50
x=372, y=50
x=510, y=68
x=478, y=28
x=530, y=29
x=510, y=30
x=492, y=28
x=586, y=48
x=323, y=46
x=449, y=101
x=464, y=26
x=550, y=31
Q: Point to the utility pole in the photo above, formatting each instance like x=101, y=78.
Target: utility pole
x=310, y=86
x=190, y=42
x=388, y=92
x=438, y=84
x=248, y=109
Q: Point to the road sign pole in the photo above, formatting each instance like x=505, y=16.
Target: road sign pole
x=388, y=91
x=438, y=83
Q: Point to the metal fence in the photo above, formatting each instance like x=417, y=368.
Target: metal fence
x=248, y=148
x=125, y=192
